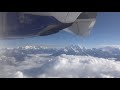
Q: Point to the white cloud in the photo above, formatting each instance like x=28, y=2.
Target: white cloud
x=18, y=74
x=114, y=46
x=24, y=62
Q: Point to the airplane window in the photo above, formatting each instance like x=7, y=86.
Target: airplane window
x=43, y=46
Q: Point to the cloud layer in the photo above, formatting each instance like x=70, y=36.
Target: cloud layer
x=69, y=62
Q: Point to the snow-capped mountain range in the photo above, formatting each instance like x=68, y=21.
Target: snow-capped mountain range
x=73, y=61
x=103, y=52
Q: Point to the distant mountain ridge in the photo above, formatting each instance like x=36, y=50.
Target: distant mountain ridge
x=102, y=52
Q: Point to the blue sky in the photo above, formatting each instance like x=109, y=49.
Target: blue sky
x=105, y=32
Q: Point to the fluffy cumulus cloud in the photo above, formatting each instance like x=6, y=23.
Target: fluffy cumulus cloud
x=68, y=62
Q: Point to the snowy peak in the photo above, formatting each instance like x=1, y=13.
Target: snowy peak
x=103, y=52
x=72, y=61
x=110, y=47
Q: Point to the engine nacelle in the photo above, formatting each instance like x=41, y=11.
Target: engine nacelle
x=23, y=24
x=64, y=17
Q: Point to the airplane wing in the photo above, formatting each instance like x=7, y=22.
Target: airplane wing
x=84, y=23
x=22, y=24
